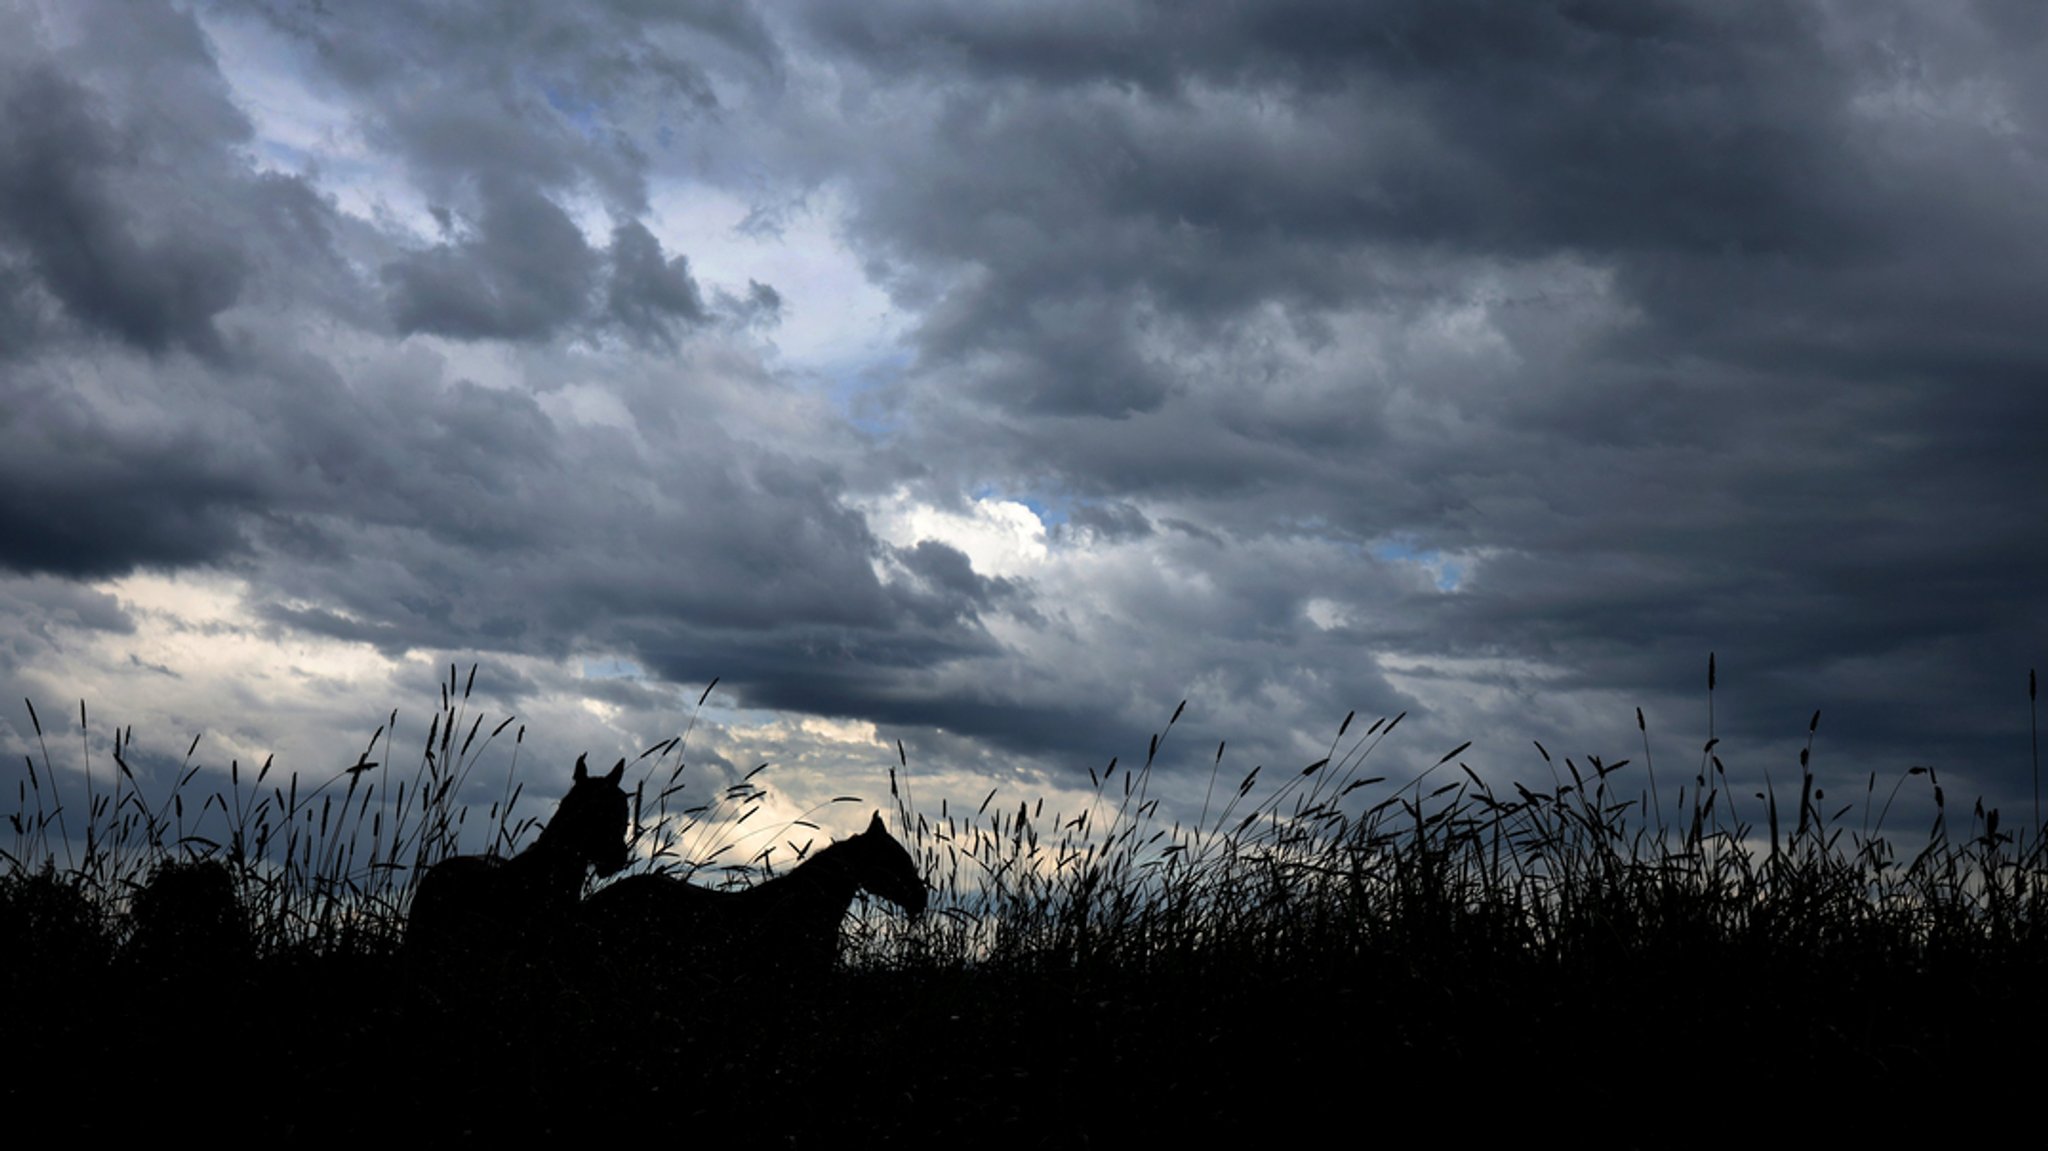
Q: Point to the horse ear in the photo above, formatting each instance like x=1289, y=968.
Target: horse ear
x=618, y=772
x=581, y=774
x=875, y=825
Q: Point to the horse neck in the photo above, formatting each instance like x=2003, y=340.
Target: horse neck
x=550, y=864
x=826, y=880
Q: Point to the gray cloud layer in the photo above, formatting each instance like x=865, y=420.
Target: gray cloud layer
x=1669, y=327
x=1756, y=277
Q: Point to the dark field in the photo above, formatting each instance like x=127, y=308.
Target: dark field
x=1304, y=965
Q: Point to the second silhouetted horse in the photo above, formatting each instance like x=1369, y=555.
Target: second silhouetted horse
x=786, y=926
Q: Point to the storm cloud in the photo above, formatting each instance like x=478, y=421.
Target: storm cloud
x=998, y=376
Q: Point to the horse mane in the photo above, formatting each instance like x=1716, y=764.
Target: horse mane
x=870, y=861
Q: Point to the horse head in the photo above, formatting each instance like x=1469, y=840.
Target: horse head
x=887, y=870
x=592, y=821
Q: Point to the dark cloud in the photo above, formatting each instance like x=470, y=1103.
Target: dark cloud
x=1321, y=158
x=480, y=95
x=649, y=294
x=1110, y=522
x=957, y=590
x=79, y=498
x=1674, y=321
x=1497, y=361
x=503, y=130
x=79, y=229
x=761, y=307
x=431, y=514
x=551, y=99
x=523, y=274
x=368, y=490
x=41, y=610
x=128, y=209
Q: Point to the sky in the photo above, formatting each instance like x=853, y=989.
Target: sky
x=991, y=377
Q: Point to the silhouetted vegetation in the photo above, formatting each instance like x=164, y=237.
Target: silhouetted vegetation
x=1409, y=943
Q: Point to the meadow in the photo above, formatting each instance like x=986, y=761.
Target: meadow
x=1372, y=940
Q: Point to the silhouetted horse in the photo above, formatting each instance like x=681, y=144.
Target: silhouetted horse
x=483, y=906
x=788, y=925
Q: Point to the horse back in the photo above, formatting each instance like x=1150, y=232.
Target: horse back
x=674, y=929
x=474, y=904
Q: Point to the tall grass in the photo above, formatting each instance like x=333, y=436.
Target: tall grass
x=320, y=865
x=1327, y=861
x=1348, y=855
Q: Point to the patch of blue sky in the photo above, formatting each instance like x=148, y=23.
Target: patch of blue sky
x=612, y=668
x=1403, y=549
x=1050, y=509
x=853, y=388
x=584, y=115
x=1050, y=512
